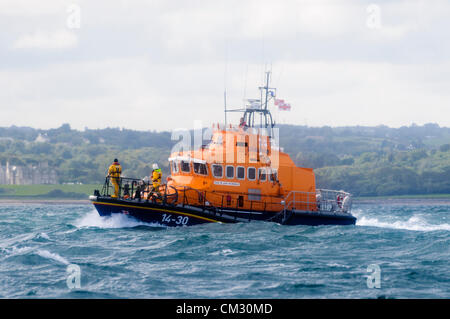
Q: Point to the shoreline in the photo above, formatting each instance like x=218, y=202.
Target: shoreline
x=45, y=201
x=368, y=199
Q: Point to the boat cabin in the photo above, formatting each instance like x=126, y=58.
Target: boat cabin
x=241, y=165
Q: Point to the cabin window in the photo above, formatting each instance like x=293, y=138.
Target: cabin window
x=251, y=173
x=200, y=168
x=269, y=175
x=217, y=170
x=262, y=174
x=240, y=172
x=275, y=174
x=174, y=167
x=230, y=171
x=185, y=167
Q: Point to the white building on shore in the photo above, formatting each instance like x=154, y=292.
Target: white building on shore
x=27, y=175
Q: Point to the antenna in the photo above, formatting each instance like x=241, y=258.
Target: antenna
x=245, y=85
x=267, y=89
x=225, y=82
x=225, y=106
x=259, y=107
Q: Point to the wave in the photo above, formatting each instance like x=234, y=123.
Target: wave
x=14, y=251
x=49, y=255
x=224, y=252
x=413, y=223
x=93, y=219
x=43, y=236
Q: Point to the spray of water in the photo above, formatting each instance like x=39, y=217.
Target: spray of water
x=416, y=223
x=93, y=219
x=54, y=256
x=15, y=251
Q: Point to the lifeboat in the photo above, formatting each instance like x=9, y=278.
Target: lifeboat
x=240, y=175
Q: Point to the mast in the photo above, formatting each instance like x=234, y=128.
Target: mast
x=260, y=107
x=225, y=106
x=268, y=122
x=267, y=88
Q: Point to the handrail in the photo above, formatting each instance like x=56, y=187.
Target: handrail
x=206, y=200
x=321, y=200
x=134, y=188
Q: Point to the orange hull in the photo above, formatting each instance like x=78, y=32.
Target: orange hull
x=239, y=169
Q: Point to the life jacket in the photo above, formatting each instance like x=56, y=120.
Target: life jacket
x=156, y=176
x=115, y=170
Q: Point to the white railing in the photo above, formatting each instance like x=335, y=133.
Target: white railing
x=321, y=200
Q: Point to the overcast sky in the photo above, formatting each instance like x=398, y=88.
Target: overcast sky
x=159, y=65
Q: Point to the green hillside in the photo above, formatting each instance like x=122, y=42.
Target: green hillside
x=72, y=191
x=367, y=161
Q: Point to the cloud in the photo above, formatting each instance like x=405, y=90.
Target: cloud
x=132, y=92
x=26, y=8
x=130, y=61
x=61, y=39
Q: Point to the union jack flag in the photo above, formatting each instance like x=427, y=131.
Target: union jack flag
x=282, y=106
x=278, y=102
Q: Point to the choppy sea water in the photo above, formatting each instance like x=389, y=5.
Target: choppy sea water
x=118, y=257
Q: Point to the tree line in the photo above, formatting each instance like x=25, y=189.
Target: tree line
x=367, y=161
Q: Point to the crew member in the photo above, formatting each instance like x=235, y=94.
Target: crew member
x=156, y=177
x=114, y=172
x=242, y=123
x=339, y=200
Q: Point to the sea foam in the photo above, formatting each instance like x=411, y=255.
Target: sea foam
x=413, y=223
x=93, y=219
x=54, y=256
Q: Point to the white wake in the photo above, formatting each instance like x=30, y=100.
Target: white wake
x=93, y=219
x=413, y=223
x=54, y=256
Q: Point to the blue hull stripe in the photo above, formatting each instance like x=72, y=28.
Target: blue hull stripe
x=159, y=209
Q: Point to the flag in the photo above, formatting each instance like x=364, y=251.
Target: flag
x=282, y=105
